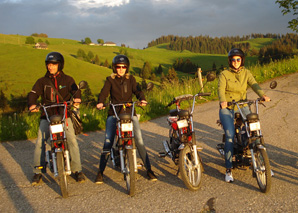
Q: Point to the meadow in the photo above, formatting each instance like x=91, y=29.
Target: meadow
x=22, y=65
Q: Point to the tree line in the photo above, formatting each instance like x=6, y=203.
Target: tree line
x=209, y=45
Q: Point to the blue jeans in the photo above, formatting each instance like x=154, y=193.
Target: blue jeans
x=44, y=134
x=109, y=140
x=227, y=119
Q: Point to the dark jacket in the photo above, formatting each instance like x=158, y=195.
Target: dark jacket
x=64, y=84
x=121, y=90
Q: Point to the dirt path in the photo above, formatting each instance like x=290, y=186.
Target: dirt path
x=279, y=124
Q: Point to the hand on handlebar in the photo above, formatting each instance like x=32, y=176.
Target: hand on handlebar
x=223, y=104
x=100, y=106
x=143, y=103
x=266, y=98
x=33, y=108
x=77, y=101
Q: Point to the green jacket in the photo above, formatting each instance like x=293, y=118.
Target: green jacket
x=232, y=85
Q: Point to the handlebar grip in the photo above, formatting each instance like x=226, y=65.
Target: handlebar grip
x=204, y=94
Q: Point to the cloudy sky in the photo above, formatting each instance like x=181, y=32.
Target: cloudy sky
x=137, y=22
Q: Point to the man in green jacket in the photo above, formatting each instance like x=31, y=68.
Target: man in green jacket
x=232, y=85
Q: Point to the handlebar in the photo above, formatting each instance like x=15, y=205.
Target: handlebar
x=186, y=97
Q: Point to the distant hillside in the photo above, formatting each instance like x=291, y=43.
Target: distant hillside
x=22, y=64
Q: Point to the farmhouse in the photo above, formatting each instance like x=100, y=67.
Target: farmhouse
x=109, y=43
x=41, y=45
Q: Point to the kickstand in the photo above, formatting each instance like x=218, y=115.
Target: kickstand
x=177, y=172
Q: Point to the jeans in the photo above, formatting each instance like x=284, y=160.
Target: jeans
x=109, y=140
x=227, y=119
x=44, y=134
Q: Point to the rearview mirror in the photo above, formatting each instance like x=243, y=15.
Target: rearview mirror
x=273, y=84
x=83, y=84
x=210, y=77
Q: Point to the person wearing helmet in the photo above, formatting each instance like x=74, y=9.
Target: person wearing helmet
x=67, y=88
x=232, y=85
x=121, y=86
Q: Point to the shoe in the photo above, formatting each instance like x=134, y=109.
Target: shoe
x=99, y=178
x=151, y=175
x=80, y=177
x=37, y=178
x=229, y=177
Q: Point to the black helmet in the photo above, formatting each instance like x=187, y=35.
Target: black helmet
x=120, y=59
x=55, y=57
x=236, y=52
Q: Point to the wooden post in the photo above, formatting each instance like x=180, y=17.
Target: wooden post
x=200, y=79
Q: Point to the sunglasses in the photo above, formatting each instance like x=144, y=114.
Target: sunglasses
x=238, y=59
x=119, y=67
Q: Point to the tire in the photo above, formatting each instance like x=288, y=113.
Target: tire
x=191, y=176
x=130, y=175
x=62, y=175
x=263, y=170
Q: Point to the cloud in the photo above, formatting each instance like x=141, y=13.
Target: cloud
x=137, y=22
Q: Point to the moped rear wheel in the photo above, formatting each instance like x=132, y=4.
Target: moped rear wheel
x=263, y=170
x=191, y=174
x=130, y=174
x=62, y=174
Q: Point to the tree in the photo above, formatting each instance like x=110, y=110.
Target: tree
x=88, y=40
x=87, y=96
x=290, y=6
x=100, y=41
x=30, y=40
x=159, y=70
x=172, y=75
x=146, y=71
x=3, y=101
x=96, y=60
x=90, y=56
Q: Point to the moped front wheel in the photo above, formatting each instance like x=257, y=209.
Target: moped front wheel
x=191, y=174
x=62, y=174
x=263, y=170
x=130, y=174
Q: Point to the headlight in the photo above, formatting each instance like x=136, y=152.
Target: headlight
x=126, y=127
x=254, y=126
x=182, y=123
x=56, y=128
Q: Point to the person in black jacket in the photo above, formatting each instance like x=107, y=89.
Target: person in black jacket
x=67, y=87
x=121, y=87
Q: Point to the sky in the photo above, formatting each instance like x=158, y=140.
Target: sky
x=135, y=23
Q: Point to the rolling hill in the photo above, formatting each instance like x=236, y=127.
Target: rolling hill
x=22, y=64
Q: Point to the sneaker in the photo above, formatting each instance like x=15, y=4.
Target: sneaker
x=151, y=175
x=229, y=177
x=37, y=178
x=99, y=178
x=80, y=177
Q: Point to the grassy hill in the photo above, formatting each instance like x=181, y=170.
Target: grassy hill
x=22, y=65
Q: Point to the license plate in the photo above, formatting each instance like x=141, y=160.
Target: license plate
x=57, y=128
x=182, y=123
x=126, y=127
x=254, y=126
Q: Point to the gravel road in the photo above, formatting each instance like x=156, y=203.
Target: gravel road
x=279, y=124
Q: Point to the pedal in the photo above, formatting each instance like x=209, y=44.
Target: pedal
x=162, y=154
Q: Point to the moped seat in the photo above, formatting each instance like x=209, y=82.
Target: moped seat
x=183, y=113
x=252, y=117
x=125, y=116
x=55, y=118
x=173, y=112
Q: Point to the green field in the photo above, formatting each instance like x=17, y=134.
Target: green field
x=22, y=65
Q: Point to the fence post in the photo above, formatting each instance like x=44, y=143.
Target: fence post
x=200, y=79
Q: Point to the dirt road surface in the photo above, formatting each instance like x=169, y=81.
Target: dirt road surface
x=279, y=124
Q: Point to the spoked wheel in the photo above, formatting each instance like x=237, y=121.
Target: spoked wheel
x=191, y=174
x=263, y=170
x=62, y=174
x=130, y=174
